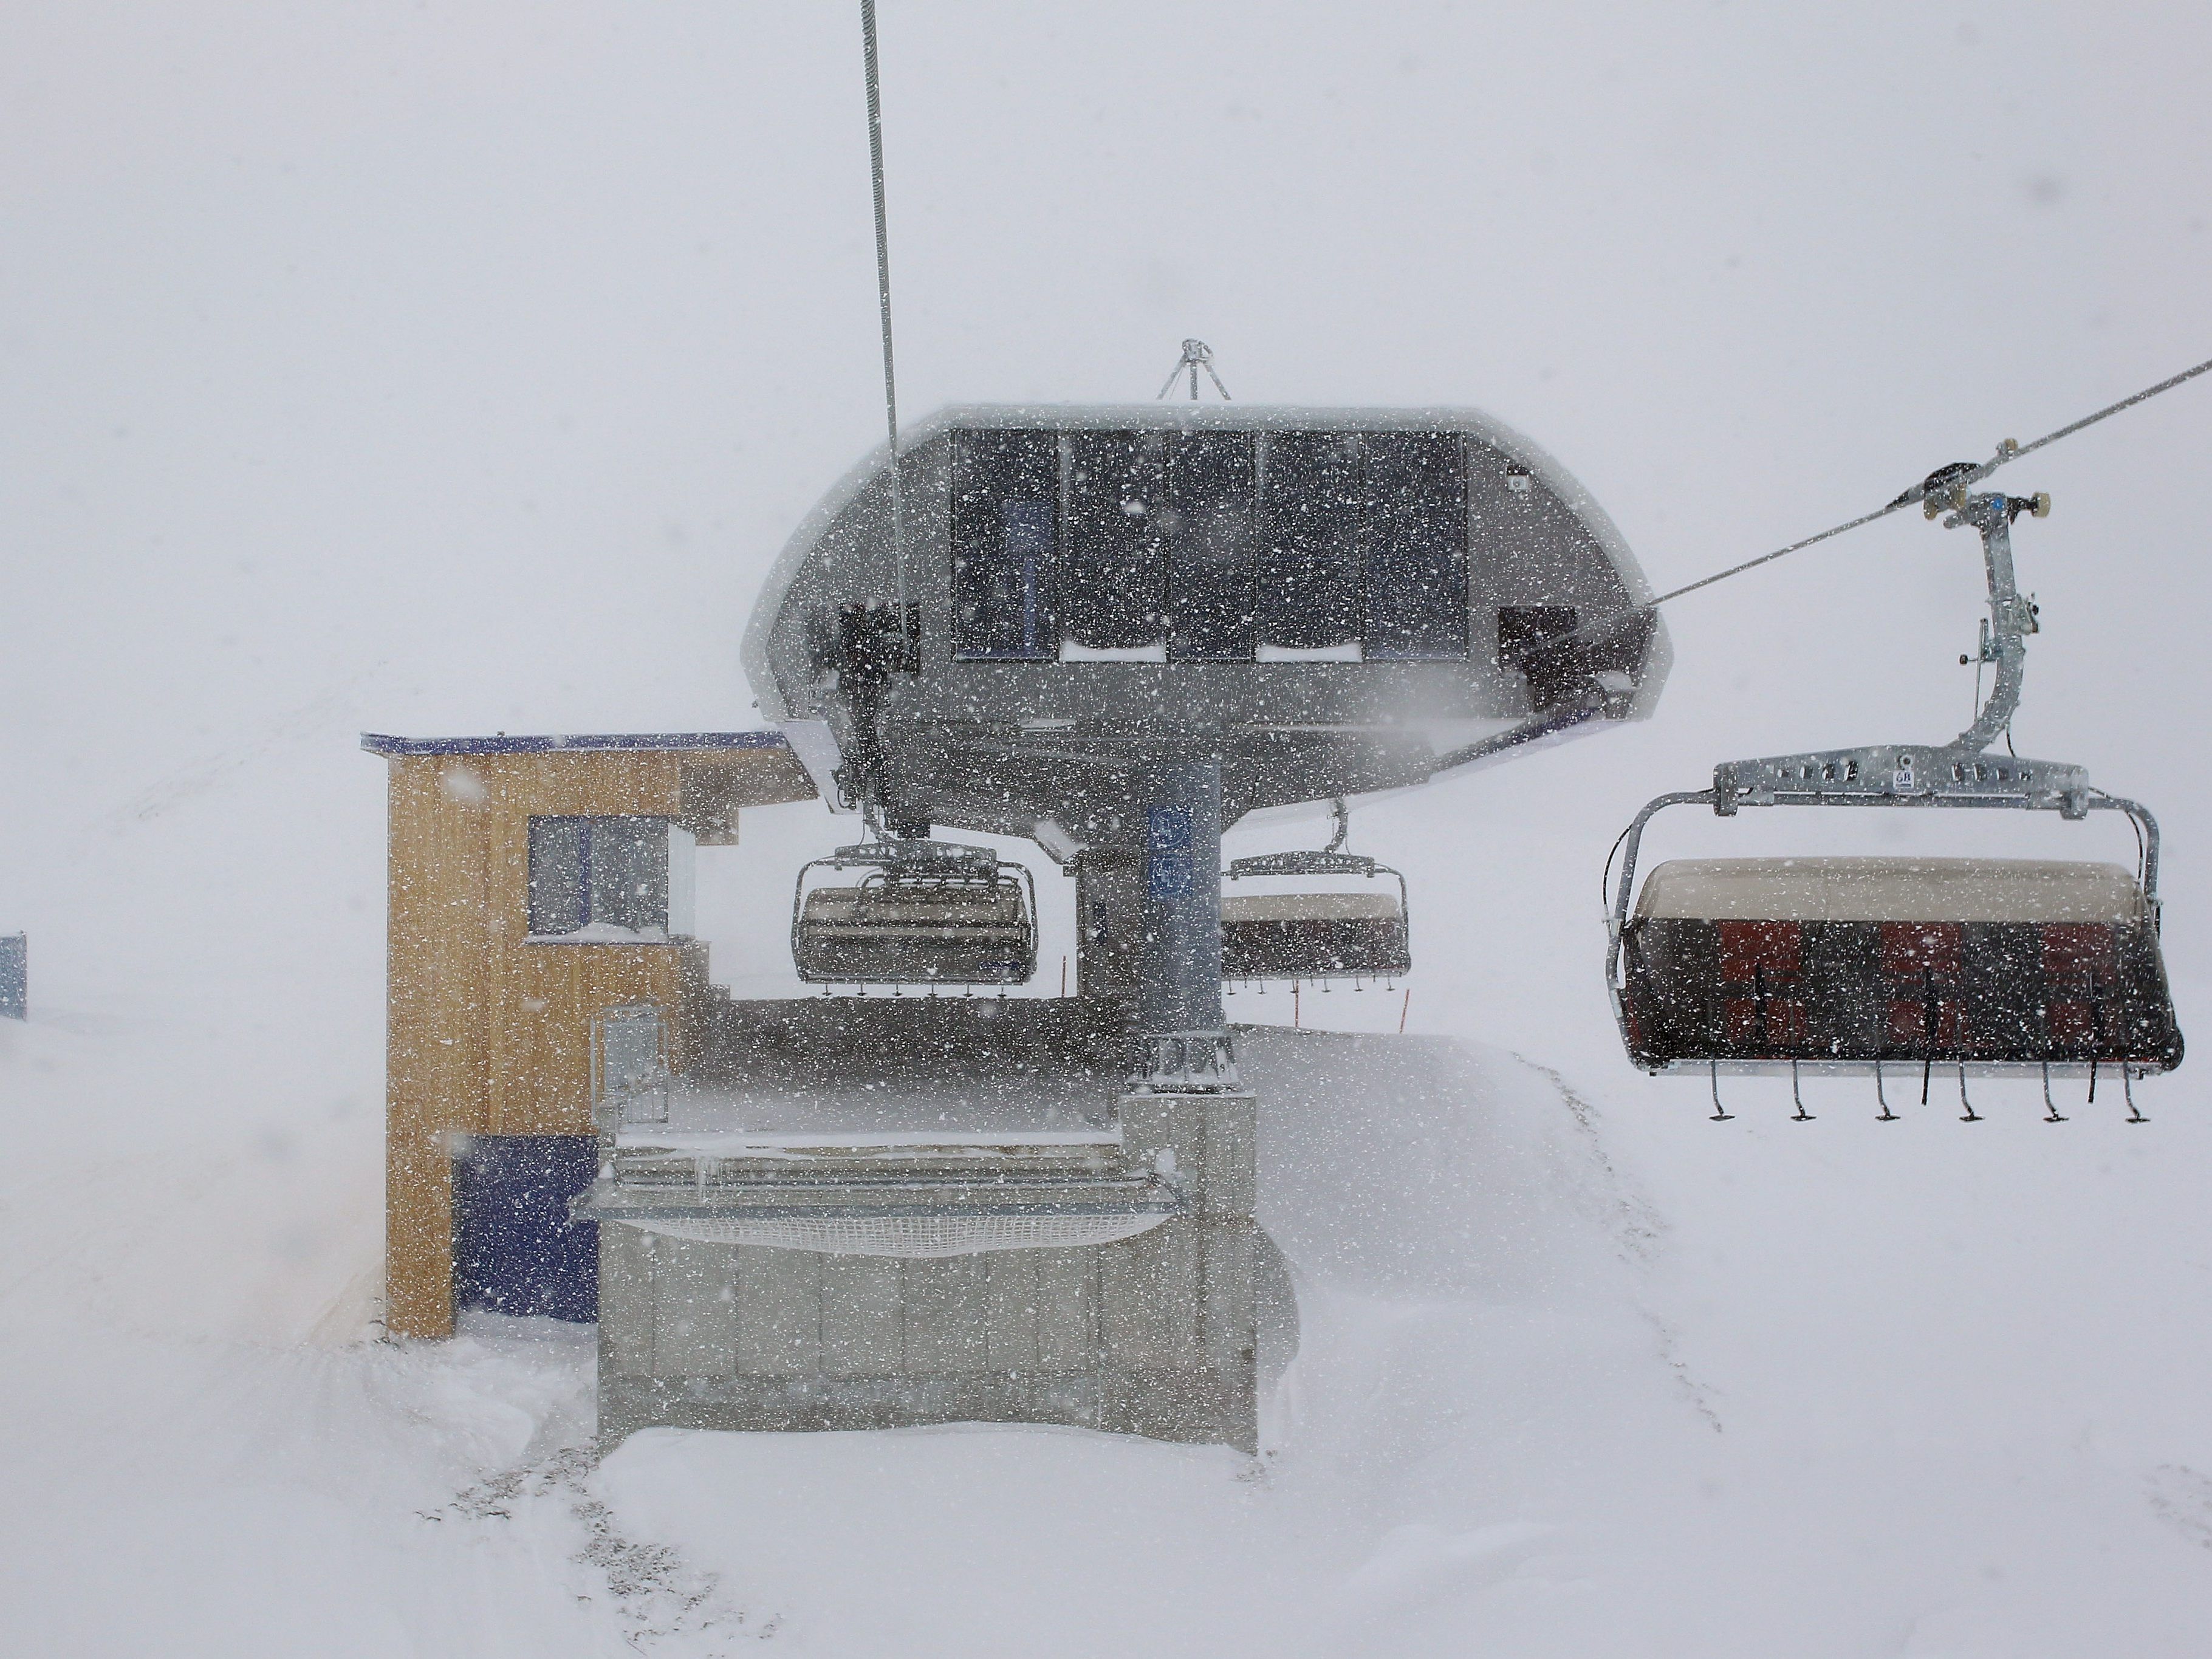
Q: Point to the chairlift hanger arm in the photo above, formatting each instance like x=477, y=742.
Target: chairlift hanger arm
x=1959, y=772
x=2147, y=873
x=1616, y=924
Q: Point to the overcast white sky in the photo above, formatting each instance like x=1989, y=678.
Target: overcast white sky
x=461, y=366
x=458, y=366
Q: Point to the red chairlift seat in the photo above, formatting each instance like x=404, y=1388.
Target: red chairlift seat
x=1844, y=963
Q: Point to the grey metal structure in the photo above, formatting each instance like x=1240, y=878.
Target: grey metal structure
x=1129, y=626
x=1114, y=631
x=1196, y=355
x=1961, y=772
x=1088, y=582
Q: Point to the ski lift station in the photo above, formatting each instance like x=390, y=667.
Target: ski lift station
x=535, y=883
x=1112, y=632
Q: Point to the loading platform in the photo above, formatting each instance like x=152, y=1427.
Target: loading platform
x=874, y=1212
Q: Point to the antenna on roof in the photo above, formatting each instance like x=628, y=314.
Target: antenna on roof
x=1196, y=355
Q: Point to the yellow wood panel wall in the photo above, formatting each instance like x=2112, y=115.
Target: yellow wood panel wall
x=437, y=1081
x=486, y=1034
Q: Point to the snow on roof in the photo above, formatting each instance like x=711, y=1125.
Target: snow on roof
x=1891, y=889
x=377, y=743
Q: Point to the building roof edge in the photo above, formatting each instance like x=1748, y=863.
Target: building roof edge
x=377, y=743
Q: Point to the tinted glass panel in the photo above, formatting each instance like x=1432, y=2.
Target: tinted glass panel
x=626, y=868
x=586, y=870
x=1414, y=544
x=1112, y=581
x=1309, y=580
x=1005, y=504
x=1207, y=524
x=556, y=875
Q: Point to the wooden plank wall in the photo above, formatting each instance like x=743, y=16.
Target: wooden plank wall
x=486, y=1034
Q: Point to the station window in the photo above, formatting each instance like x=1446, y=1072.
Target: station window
x=1210, y=542
x=1211, y=492
x=1006, y=507
x=1310, y=510
x=609, y=880
x=1113, y=579
x=1414, y=544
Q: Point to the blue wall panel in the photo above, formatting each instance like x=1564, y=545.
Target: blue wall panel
x=15, y=975
x=515, y=1250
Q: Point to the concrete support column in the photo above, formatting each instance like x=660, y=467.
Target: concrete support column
x=1185, y=1040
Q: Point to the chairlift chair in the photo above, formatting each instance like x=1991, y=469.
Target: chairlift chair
x=926, y=913
x=1340, y=919
x=1846, y=964
x=1840, y=963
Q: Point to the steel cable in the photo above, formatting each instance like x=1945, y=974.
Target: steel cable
x=884, y=295
x=1957, y=475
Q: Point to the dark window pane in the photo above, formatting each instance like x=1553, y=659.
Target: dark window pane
x=1006, y=501
x=1414, y=544
x=1113, y=579
x=626, y=868
x=1308, y=580
x=556, y=875
x=1207, y=526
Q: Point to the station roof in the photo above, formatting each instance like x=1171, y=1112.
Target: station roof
x=377, y=743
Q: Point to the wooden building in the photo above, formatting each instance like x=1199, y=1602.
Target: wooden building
x=535, y=883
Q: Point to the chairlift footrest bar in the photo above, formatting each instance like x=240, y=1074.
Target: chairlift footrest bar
x=1898, y=1069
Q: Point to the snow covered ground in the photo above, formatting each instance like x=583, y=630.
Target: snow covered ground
x=1567, y=1386
x=460, y=369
